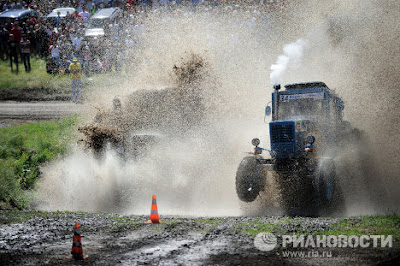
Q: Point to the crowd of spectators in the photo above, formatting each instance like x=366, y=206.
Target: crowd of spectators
x=61, y=40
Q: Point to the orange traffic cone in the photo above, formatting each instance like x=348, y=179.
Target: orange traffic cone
x=77, y=251
x=154, y=219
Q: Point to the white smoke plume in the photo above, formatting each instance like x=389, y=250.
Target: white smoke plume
x=291, y=58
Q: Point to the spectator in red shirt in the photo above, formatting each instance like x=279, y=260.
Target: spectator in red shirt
x=16, y=31
x=130, y=4
x=75, y=16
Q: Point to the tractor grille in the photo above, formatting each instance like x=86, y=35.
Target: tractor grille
x=282, y=133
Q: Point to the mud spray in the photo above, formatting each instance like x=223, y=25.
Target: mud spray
x=350, y=45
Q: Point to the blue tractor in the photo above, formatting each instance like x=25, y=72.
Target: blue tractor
x=306, y=133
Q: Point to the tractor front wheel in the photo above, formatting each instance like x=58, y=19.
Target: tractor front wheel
x=249, y=181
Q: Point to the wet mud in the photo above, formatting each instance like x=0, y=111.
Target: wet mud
x=110, y=239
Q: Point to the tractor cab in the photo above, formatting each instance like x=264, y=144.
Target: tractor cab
x=311, y=101
x=299, y=113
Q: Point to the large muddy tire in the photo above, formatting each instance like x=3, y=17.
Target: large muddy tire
x=297, y=193
x=269, y=200
x=249, y=181
x=328, y=193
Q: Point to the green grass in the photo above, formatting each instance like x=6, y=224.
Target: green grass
x=125, y=222
x=38, y=85
x=257, y=226
x=367, y=225
x=15, y=216
x=37, y=78
x=20, y=216
x=23, y=148
x=253, y=228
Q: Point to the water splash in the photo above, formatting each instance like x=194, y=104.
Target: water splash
x=194, y=174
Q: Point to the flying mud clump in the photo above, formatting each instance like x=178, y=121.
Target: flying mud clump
x=166, y=111
x=97, y=136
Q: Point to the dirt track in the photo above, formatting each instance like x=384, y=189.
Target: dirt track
x=110, y=239
x=12, y=112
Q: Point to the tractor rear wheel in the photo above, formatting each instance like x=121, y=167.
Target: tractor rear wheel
x=328, y=194
x=297, y=191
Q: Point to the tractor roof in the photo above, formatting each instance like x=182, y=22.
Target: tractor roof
x=306, y=85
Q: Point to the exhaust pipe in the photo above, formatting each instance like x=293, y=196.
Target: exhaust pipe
x=277, y=87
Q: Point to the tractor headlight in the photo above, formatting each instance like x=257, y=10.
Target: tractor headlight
x=311, y=139
x=255, y=142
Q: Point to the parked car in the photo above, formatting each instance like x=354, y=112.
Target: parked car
x=94, y=32
x=63, y=13
x=98, y=23
x=18, y=15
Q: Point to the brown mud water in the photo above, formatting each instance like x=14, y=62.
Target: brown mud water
x=110, y=239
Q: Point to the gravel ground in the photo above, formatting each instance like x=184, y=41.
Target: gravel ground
x=36, y=111
x=112, y=239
